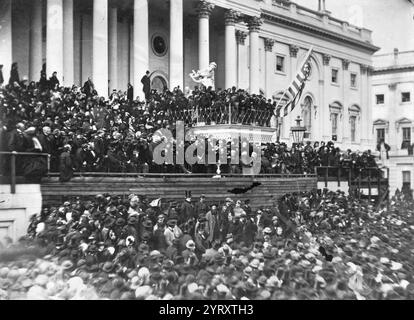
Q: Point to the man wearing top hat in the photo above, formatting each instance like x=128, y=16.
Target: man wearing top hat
x=187, y=211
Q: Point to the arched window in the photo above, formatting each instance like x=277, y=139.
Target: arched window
x=335, y=110
x=307, y=116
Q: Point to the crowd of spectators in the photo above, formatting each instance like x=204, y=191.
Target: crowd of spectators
x=310, y=245
x=83, y=132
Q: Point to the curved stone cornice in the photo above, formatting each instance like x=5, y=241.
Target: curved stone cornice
x=317, y=31
x=204, y=9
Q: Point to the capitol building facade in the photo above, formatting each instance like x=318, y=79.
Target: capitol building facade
x=257, y=46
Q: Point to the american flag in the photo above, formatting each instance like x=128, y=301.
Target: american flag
x=296, y=86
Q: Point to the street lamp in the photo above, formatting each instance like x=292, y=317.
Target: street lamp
x=298, y=131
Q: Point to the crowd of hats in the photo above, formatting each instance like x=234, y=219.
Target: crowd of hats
x=117, y=134
x=337, y=248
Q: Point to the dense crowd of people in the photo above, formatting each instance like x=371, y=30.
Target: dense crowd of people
x=83, y=132
x=309, y=245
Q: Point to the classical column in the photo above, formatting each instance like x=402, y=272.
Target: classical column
x=346, y=128
x=141, y=45
x=176, y=44
x=325, y=112
x=35, y=55
x=54, y=38
x=100, y=47
x=270, y=67
x=6, y=58
x=240, y=38
x=113, y=48
x=230, y=49
x=204, y=11
x=68, y=53
x=254, y=24
x=289, y=119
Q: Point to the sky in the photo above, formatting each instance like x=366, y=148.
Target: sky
x=392, y=21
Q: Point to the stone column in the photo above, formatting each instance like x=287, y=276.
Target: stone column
x=35, y=56
x=270, y=67
x=113, y=48
x=68, y=52
x=346, y=128
x=6, y=58
x=240, y=38
x=54, y=38
x=254, y=24
x=230, y=49
x=289, y=119
x=141, y=45
x=176, y=44
x=100, y=47
x=204, y=11
x=325, y=112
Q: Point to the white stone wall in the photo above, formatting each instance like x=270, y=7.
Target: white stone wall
x=16, y=209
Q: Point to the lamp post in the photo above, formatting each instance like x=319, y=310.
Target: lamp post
x=298, y=131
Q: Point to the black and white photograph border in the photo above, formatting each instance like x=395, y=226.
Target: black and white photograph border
x=220, y=150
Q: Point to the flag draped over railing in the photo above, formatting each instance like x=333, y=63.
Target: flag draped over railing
x=294, y=91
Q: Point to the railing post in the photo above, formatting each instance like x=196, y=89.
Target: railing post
x=13, y=172
x=326, y=177
x=339, y=176
x=229, y=113
x=359, y=185
x=379, y=184
x=369, y=183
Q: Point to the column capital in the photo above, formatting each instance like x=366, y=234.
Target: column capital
x=345, y=64
x=268, y=42
x=293, y=50
x=241, y=36
x=231, y=17
x=365, y=68
x=326, y=59
x=254, y=23
x=204, y=9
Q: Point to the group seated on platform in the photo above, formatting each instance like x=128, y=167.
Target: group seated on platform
x=83, y=132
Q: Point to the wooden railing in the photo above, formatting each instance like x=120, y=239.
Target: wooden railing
x=356, y=178
x=13, y=155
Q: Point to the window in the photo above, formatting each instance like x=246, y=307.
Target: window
x=380, y=135
x=280, y=64
x=334, y=76
x=352, y=119
x=405, y=97
x=334, y=120
x=159, y=45
x=307, y=116
x=406, y=138
x=353, y=80
x=379, y=98
x=406, y=180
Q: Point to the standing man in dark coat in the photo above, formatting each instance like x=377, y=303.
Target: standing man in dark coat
x=14, y=75
x=54, y=81
x=65, y=164
x=16, y=139
x=146, y=88
x=187, y=209
x=130, y=92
